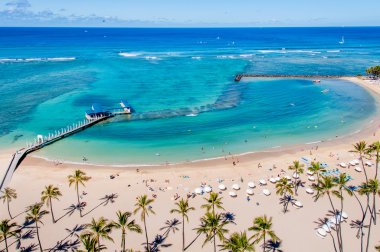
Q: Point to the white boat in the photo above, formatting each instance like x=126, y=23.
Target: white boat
x=342, y=41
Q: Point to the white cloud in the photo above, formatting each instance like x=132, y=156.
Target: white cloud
x=18, y=4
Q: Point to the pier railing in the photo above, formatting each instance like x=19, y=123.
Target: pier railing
x=42, y=141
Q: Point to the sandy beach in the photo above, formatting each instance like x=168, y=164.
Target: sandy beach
x=297, y=228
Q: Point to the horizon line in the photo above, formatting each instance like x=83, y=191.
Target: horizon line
x=194, y=27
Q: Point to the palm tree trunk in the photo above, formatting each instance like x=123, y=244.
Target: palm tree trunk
x=264, y=243
x=365, y=172
x=98, y=243
x=377, y=164
x=9, y=211
x=183, y=233
x=336, y=220
x=191, y=243
x=51, y=210
x=38, y=237
x=80, y=209
x=123, y=241
x=6, y=243
x=146, y=235
x=374, y=208
x=214, y=242
x=369, y=233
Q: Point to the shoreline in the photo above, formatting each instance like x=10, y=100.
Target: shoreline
x=366, y=130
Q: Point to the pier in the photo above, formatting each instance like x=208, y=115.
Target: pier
x=238, y=77
x=42, y=141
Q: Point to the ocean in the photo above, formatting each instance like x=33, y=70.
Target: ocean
x=181, y=84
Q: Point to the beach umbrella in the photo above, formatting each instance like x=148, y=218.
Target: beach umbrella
x=310, y=172
x=249, y=192
x=343, y=165
x=368, y=163
x=296, y=175
x=309, y=191
x=251, y=185
x=207, y=189
x=344, y=215
x=288, y=177
x=358, y=169
x=353, y=163
x=266, y=192
x=198, y=190
x=235, y=187
x=222, y=187
x=262, y=182
x=232, y=194
x=273, y=180
x=311, y=178
x=321, y=232
x=298, y=204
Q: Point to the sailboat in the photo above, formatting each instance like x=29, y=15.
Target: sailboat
x=341, y=41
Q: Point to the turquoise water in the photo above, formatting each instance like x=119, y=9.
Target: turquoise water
x=180, y=83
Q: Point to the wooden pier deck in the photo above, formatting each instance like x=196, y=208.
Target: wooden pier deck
x=22, y=153
x=238, y=77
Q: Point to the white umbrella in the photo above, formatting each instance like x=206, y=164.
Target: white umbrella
x=343, y=165
x=251, y=185
x=368, y=163
x=358, y=169
x=352, y=163
x=266, y=192
x=262, y=182
x=207, y=189
x=327, y=227
x=288, y=177
x=298, y=204
x=311, y=178
x=198, y=190
x=249, y=192
x=355, y=161
x=273, y=180
x=344, y=215
x=222, y=187
x=235, y=187
x=321, y=232
x=278, y=179
x=309, y=190
x=296, y=175
x=310, y=172
x=232, y=194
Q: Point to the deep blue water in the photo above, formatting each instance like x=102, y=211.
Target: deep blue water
x=50, y=76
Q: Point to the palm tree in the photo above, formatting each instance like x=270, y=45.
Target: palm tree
x=238, y=242
x=8, y=195
x=273, y=246
x=143, y=205
x=99, y=229
x=362, y=150
x=375, y=148
x=284, y=188
x=317, y=169
x=7, y=229
x=124, y=224
x=377, y=248
x=51, y=192
x=212, y=225
x=35, y=215
x=298, y=169
x=214, y=201
x=79, y=177
x=183, y=209
x=90, y=244
x=262, y=226
x=326, y=187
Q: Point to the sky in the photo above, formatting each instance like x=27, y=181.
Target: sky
x=189, y=13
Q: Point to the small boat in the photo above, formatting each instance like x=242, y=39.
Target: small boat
x=317, y=81
x=342, y=41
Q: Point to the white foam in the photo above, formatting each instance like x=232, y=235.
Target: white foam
x=151, y=58
x=333, y=51
x=196, y=57
x=192, y=115
x=24, y=60
x=128, y=55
